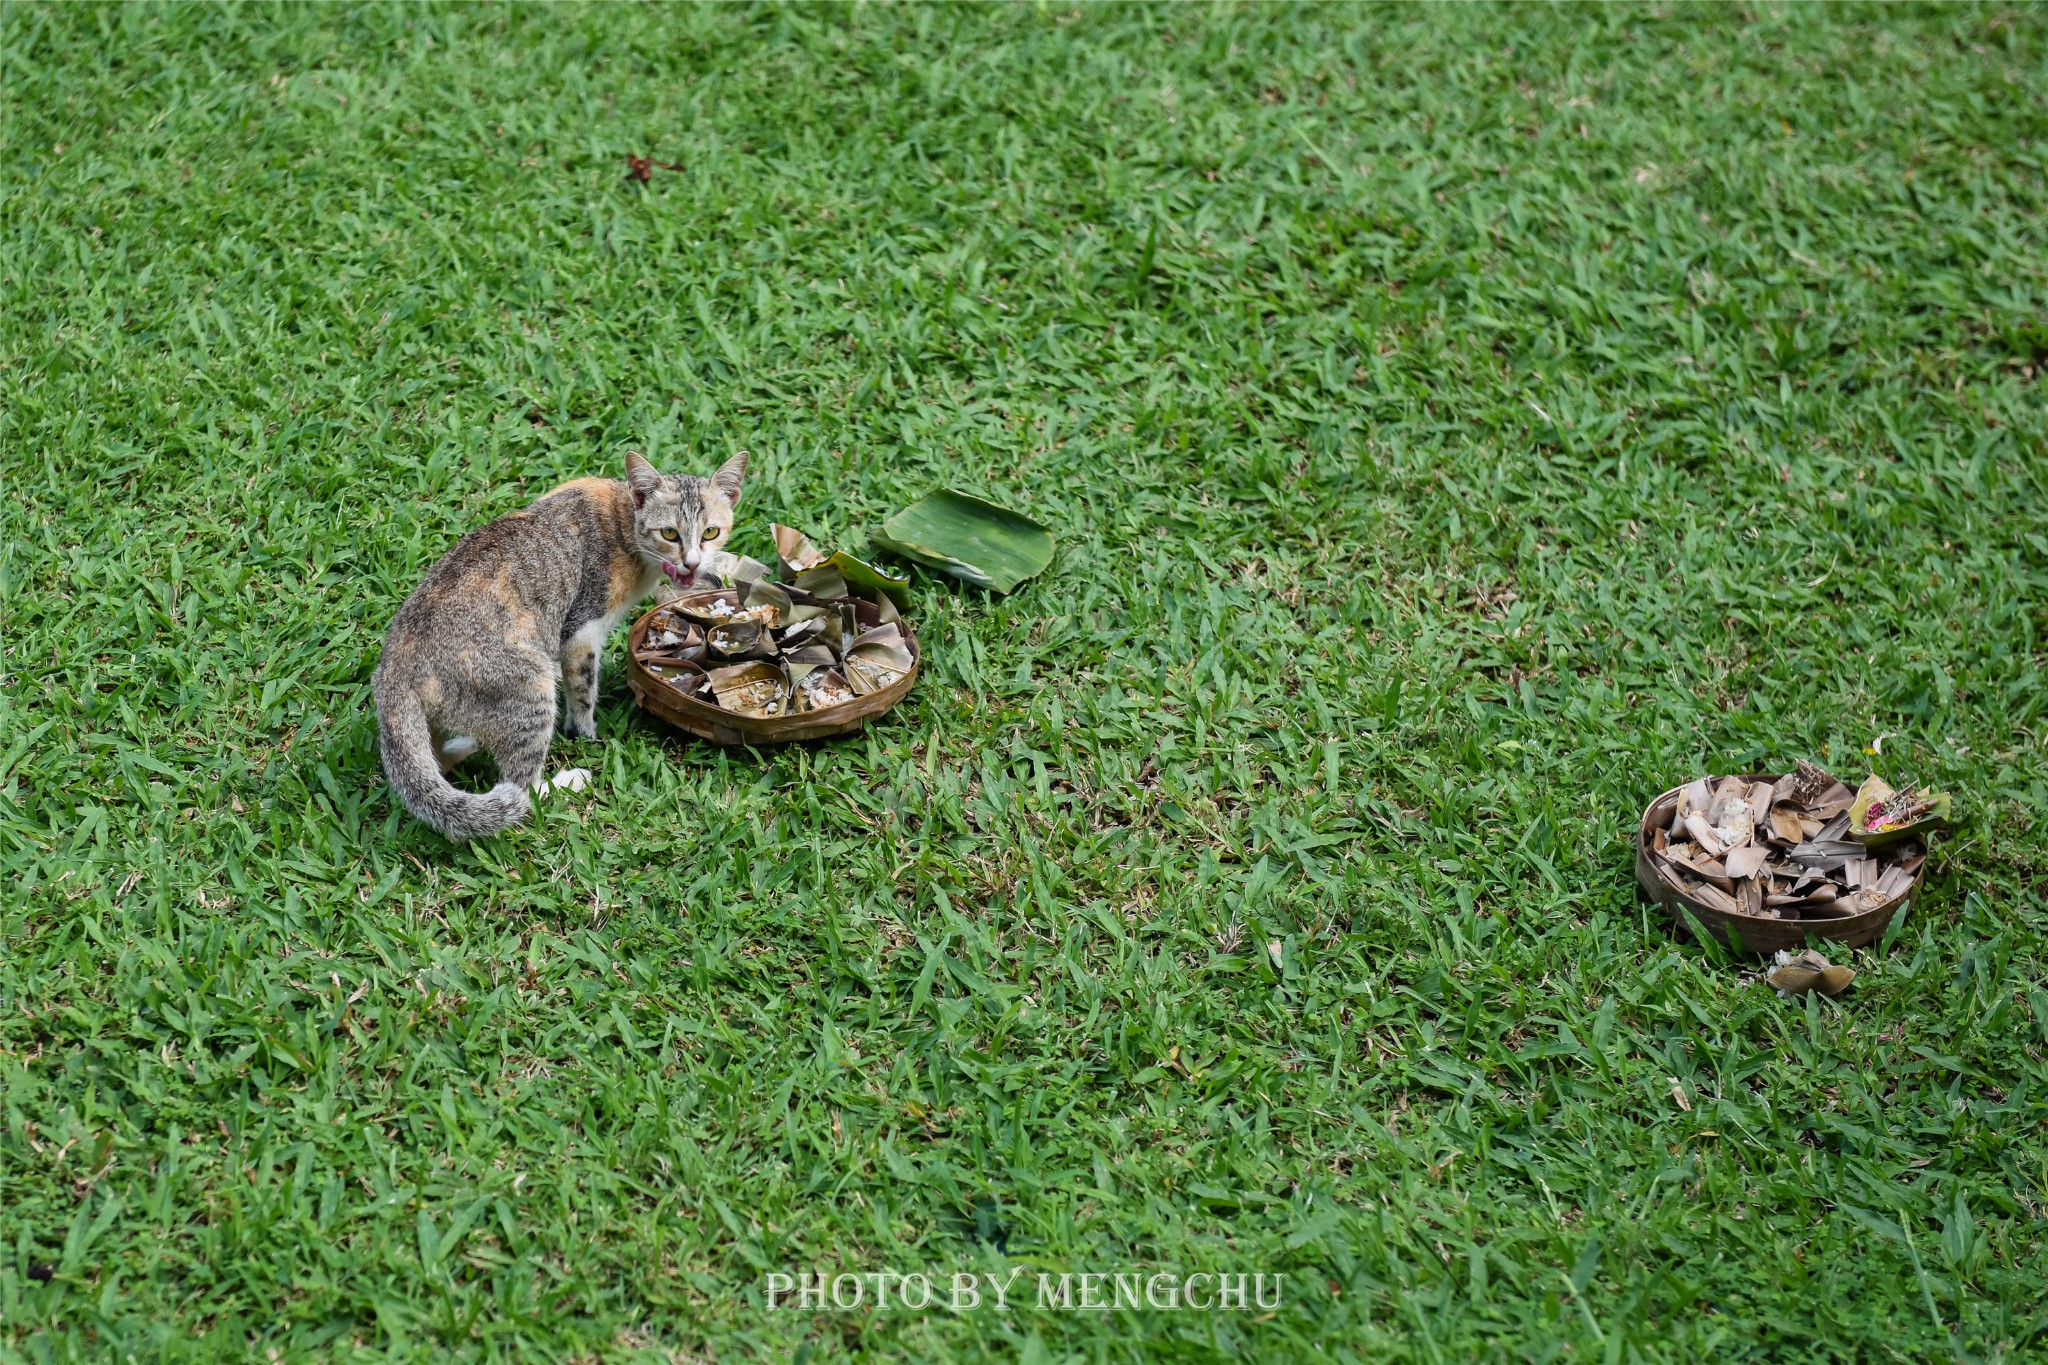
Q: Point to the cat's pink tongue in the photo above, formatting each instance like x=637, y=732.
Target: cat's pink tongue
x=680, y=577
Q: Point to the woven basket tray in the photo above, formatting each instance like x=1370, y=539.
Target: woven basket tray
x=1752, y=933
x=721, y=726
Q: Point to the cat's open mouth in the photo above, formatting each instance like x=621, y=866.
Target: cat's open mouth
x=678, y=575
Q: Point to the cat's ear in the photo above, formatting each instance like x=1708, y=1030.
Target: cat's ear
x=727, y=479
x=642, y=477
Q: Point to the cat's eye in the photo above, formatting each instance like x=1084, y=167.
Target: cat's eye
x=670, y=533
x=711, y=534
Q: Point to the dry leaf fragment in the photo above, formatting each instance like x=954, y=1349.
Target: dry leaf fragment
x=1670, y=874
x=1703, y=834
x=1810, y=784
x=795, y=550
x=1798, y=973
x=1678, y=1094
x=1745, y=862
x=1825, y=857
x=1709, y=894
x=1832, y=804
x=642, y=168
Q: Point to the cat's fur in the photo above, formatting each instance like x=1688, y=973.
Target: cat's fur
x=471, y=658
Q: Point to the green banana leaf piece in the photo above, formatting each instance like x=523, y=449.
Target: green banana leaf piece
x=969, y=538
x=858, y=573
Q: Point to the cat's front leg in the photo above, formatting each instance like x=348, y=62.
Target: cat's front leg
x=579, y=685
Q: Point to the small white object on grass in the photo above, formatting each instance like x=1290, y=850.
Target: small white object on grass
x=567, y=780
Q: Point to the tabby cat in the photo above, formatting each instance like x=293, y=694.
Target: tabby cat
x=471, y=658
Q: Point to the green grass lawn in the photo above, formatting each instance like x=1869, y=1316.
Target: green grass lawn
x=1459, y=423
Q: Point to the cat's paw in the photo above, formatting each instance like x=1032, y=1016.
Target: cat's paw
x=571, y=780
x=573, y=728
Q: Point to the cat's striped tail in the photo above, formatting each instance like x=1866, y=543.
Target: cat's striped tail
x=407, y=747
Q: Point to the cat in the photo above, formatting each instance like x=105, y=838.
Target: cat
x=471, y=658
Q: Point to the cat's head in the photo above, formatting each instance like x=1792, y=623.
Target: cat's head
x=678, y=518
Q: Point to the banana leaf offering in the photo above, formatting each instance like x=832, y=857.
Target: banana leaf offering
x=763, y=642
x=1801, y=846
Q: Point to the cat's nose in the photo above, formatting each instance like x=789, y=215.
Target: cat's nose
x=693, y=558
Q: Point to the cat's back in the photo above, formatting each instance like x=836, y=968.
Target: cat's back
x=512, y=575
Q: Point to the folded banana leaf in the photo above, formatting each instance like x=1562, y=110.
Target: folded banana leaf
x=753, y=689
x=803, y=632
x=671, y=635
x=824, y=583
x=745, y=570
x=814, y=683
x=970, y=538
x=740, y=640
x=720, y=606
x=872, y=664
x=764, y=593
x=810, y=656
x=1882, y=817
